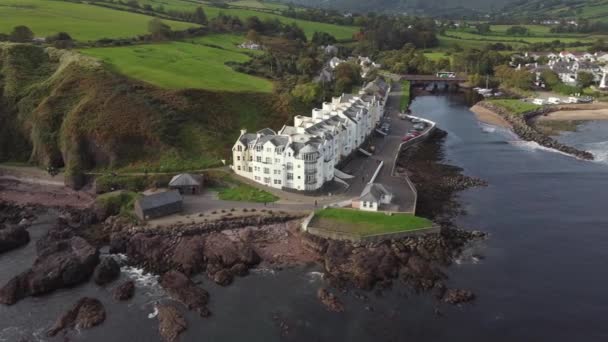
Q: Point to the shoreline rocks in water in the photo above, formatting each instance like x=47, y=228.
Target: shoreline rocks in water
x=521, y=126
x=184, y=290
x=106, y=272
x=85, y=314
x=63, y=260
x=12, y=238
x=171, y=323
x=330, y=301
x=124, y=291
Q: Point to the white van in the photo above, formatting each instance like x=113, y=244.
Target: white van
x=539, y=102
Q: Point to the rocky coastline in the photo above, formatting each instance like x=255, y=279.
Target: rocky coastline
x=522, y=126
x=229, y=247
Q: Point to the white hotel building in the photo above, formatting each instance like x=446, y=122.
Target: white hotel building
x=303, y=156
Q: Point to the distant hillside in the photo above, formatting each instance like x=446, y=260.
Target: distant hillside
x=61, y=108
x=558, y=9
x=411, y=7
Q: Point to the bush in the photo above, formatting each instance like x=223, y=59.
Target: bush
x=117, y=203
x=109, y=182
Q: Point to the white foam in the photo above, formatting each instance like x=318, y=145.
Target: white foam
x=153, y=313
x=534, y=146
x=314, y=276
x=599, y=151
x=263, y=271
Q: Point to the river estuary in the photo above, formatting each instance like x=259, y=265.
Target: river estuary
x=541, y=275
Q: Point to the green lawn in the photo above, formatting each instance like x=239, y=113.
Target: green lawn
x=367, y=223
x=516, y=39
x=405, y=97
x=435, y=56
x=515, y=106
x=83, y=22
x=245, y=193
x=225, y=41
x=180, y=65
x=117, y=202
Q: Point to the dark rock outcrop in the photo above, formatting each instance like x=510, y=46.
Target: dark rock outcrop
x=106, y=272
x=330, y=301
x=171, y=323
x=13, y=237
x=124, y=291
x=85, y=314
x=457, y=296
x=182, y=289
x=63, y=260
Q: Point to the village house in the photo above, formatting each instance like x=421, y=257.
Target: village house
x=374, y=197
x=187, y=184
x=303, y=156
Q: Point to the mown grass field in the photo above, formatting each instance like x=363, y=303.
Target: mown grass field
x=517, y=39
x=367, y=223
x=181, y=65
x=83, y=22
x=225, y=41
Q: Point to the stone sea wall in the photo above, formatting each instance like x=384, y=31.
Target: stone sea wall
x=524, y=130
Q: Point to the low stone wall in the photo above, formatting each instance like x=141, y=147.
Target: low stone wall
x=342, y=236
x=524, y=130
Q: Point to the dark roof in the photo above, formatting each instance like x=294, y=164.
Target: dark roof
x=247, y=138
x=159, y=199
x=267, y=131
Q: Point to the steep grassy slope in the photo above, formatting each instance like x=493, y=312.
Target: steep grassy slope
x=81, y=21
x=59, y=107
x=180, y=65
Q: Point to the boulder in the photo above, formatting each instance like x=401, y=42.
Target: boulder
x=182, y=289
x=221, y=250
x=457, y=296
x=331, y=302
x=60, y=263
x=124, y=291
x=107, y=271
x=223, y=277
x=188, y=255
x=171, y=323
x=85, y=314
x=11, y=238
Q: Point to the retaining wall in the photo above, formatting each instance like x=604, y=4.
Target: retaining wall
x=334, y=235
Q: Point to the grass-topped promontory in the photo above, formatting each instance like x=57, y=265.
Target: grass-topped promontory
x=364, y=223
x=180, y=65
x=515, y=106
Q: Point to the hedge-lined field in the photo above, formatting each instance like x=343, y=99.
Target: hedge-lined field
x=83, y=22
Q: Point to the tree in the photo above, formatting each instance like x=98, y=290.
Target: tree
x=584, y=79
x=158, y=29
x=199, y=16
x=307, y=93
x=484, y=28
x=550, y=78
x=517, y=31
x=510, y=77
x=253, y=36
x=323, y=38
x=61, y=40
x=21, y=34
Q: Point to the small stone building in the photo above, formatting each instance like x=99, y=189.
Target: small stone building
x=158, y=205
x=187, y=184
x=372, y=197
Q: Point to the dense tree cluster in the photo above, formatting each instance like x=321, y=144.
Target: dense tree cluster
x=510, y=77
x=582, y=26
x=474, y=61
x=322, y=15
x=408, y=60
x=392, y=33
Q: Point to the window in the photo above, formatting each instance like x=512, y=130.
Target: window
x=277, y=172
x=266, y=179
x=250, y=158
x=239, y=148
x=277, y=160
x=277, y=182
x=269, y=149
x=290, y=176
x=238, y=158
x=364, y=204
x=258, y=159
x=250, y=169
x=268, y=160
x=238, y=168
x=289, y=154
x=289, y=166
x=257, y=178
x=299, y=177
x=266, y=171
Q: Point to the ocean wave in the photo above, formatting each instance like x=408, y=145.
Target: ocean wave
x=147, y=281
x=534, y=146
x=314, y=276
x=599, y=151
x=153, y=313
x=263, y=271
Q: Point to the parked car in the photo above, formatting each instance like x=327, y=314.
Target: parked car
x=419, y=126
x=414, y=120
x=385, y=127
x=407, y=138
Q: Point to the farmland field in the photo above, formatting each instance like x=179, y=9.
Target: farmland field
x=225, y=41
x=83, y=22
x=180, y=65
x=309, y=27
x=516, y=39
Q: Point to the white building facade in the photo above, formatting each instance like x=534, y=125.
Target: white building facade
x=303, y=156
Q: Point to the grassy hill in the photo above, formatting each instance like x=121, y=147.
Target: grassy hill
x=182, y=65
x=60, y=108
x=83, y=22
x=556, y=9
